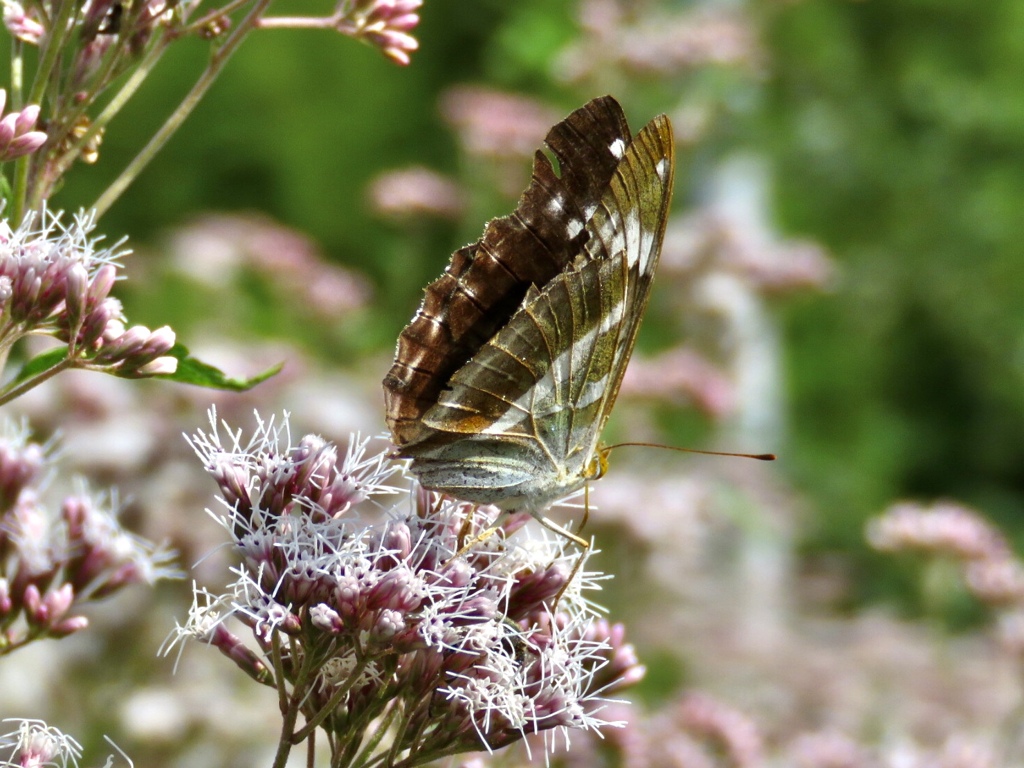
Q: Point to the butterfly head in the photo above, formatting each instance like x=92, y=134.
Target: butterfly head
x=598, y=464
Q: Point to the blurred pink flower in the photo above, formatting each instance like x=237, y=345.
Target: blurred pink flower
x=660, y=44
x=215, y=249
x=962, y=752
x=997, y=580
x=705, y=241
x=414, y=192
x=944, y=528
x=691, y=40
x=681, y=376
x=731, y=731
x=1010, y=631
x=56, y=562
x=828, y=749
x=491, y=123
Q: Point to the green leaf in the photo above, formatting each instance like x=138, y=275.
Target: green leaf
x=190, y=370
x=42, y=362
x=193, y=371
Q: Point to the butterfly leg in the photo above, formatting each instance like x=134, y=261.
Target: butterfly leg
x=582, y=543
x=465, y=546
x=464, y=531
x=586, y=506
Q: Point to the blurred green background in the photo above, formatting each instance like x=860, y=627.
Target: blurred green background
x=894, y=134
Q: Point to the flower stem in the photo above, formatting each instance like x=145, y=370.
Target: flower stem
x=328, y=708
x=380, y=731
x=35, y=381
x=284, y=744
x=214, y=15
x=282, y=693
x=184, y=109
x=299, y=22
x=17, y=73
x=59, y=29
x=126, y=92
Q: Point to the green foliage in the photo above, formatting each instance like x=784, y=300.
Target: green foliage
x=196, y=372
x=897, y=132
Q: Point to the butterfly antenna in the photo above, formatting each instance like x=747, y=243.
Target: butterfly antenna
x=758, y=456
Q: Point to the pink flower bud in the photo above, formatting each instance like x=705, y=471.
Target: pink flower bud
x=113, y=327
x=69, y=626
x=77, y=290
x=26, y=119
x=160, y=341
x=397, y=45
x=322, y=616
x=404, y=23
x=132, y=339
x=16, y=135
x=398, y=539
x=32, y=600
x=389, y=623
x=232, y=646
x=22, y=27
x=162, y=366
x=101, y=284
x=75, y=511
x=58, y=601
x=6, y=604
x=99, y=321
x=7, y=132
x=25, y=144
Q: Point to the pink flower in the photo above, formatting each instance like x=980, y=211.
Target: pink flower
x=21, y=25
x=387, y=24
x=415, y=192
x=17, y=136
x=944, y=528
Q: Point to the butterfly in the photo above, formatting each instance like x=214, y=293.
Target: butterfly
x=505, y=377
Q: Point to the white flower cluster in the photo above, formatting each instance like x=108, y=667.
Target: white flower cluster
x=433, y=616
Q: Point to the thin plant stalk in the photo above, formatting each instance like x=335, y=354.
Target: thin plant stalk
x=34, y=381
x=211, y=17
x=329, y=708
x=184, y=109
x=120, y=99
x=50, y=55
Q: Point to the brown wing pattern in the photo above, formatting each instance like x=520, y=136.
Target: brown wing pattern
x=487, y=281
x=521, y=420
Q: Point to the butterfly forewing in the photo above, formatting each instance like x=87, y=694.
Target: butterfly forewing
x=631, y=221
x=519, y=423
x=487, y=280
